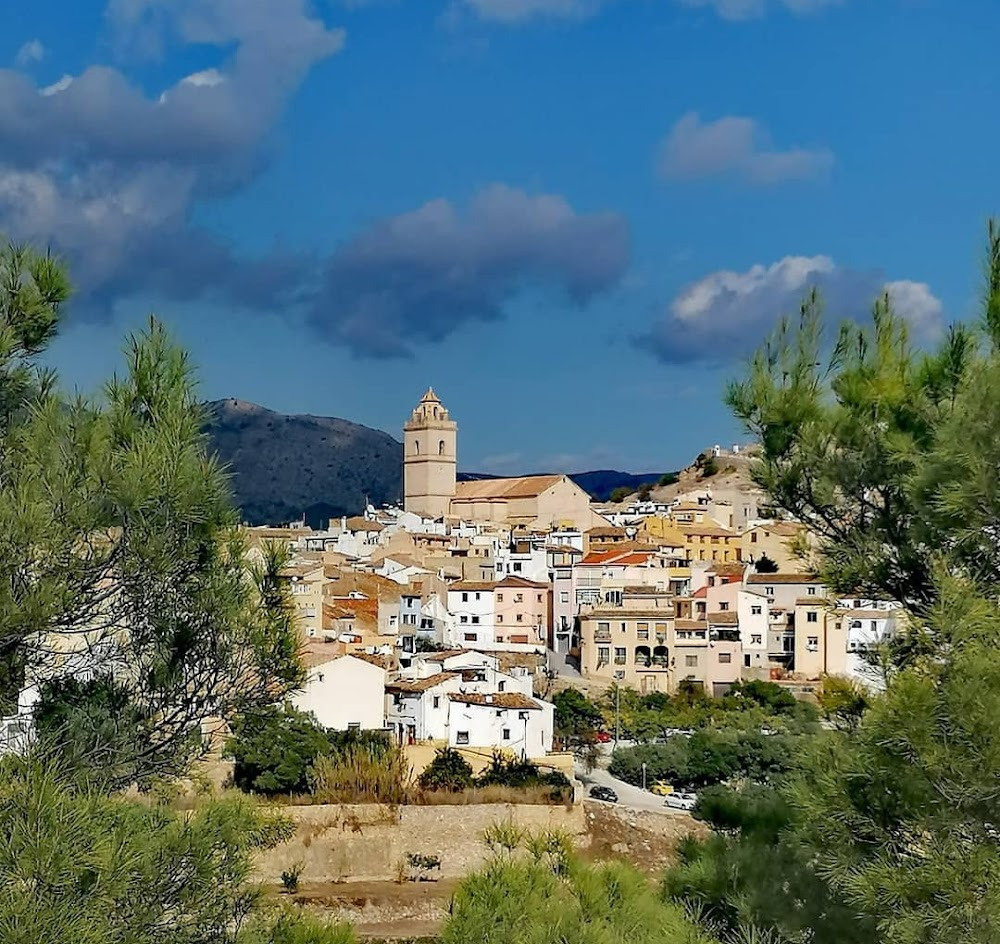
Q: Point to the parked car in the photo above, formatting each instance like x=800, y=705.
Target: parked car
x=681, y=801
x=661, y=788
x=603, y=737
x=597, y=792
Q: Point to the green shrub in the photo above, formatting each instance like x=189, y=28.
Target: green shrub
x=362, y=769
x=448, y=771
x=274, y=751
x=619, y=494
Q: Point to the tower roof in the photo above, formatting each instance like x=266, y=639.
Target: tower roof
x=430, y=396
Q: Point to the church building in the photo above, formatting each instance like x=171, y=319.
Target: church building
x=431, y=487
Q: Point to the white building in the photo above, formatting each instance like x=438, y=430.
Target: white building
x=344, y=693
x=417, y=709
x=473, y=610
x=512, y=722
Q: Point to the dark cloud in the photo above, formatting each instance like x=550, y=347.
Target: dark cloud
x=419, y=276
x=726, y=315
x=110, y=176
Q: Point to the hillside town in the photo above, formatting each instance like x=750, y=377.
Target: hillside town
x=448, y=620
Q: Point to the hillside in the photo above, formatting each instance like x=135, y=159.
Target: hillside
x=321, y=467
x=285, y=467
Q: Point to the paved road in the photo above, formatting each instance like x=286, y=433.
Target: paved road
x=632, y=798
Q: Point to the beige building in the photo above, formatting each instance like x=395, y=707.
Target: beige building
x=430, y=459
x=305, y=580
x=534, y=502
x=780, y=541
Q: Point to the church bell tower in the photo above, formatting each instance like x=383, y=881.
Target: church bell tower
x=430, y=462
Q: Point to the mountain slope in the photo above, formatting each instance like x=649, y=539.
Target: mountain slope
x=284, y=467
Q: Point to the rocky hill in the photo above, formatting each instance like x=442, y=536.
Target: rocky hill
x=287, y=467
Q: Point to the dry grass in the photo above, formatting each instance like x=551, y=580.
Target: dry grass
x=537, y=796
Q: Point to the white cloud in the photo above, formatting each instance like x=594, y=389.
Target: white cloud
x=736, y=147
x=727, y=314
x=32, y=51
x=512, y=12
x=59, y=86
x=754, y=9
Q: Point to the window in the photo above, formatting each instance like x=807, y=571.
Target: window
x=812, y=644
x=475, y=619
x=564, y=596
x=520, y=617
x=505, y=734
x=642, y=630
x=812, y=591
x=691, y=662
x=725, y=657
x=723, y=607
x=857, y=604
x=874, y=626
x=416, y=449
x=465, y=598
x=517, y=568
x=755, y=639
x=461, y=737
x=499, y=617
x=769, y=591
x=437, y=701
x=753, y=537
x=519, y=598
x=604, y=627
x=619, y=656
x=539, y=598
x=746, y=660
x=470, y=637
x=812, y=617
x=441, y=448
x=603, y=654
x=501, y=686
x=353, y=725
x=477, y=596
x=464, y=619
x=499, y=598
x=755, y=610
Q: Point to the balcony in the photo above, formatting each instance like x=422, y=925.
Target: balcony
x=602, y=635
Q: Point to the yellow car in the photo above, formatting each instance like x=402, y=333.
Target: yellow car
x=661, y=789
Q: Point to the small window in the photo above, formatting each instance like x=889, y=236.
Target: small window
x=517, y=568
x=353, y=725
x=755, y=610
x=437, y=701
x=464, y=619
x=477, y=596
x=691, y=662
x=746, y=660
x=470, y=637
x=723, y=607
x=465, y=598
x=501, y=686
x=506, y=734
x=499, y=617
x=725, y=657
x=520, y=617
x=461, y=737
x=769, y=591
x=416, y=449
x=619, y=656
x=499, y=598
x=564, y=596
x=475, y=619
x=755, y=639
x=603, y=653
x=813, y=642
x=812, y=591
x=812, y=617
x=441, y=448
x=539, y=598
x=519, y=598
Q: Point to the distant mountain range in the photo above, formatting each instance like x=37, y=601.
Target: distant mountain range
x=318, y=467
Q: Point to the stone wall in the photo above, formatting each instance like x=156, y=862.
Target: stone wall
x=367, y=842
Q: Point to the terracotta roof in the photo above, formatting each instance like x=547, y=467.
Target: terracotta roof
x=811, y=601
x=607, y=531
x=499, y=700
x=712, y=530
x=781, y=579
x=528, y=486
x=781, y=528
x=467, y=585
x=319, y=653
x=700, y=593
x=359, y=523
x=514, y=581
x=690, y=624
x=416, y=686
x=383, y=662
x=563, y=549
x=727, y=570
x=644, y=591
x=724, y=618
x=617, y=613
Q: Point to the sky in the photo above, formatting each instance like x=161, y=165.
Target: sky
x=574, y=218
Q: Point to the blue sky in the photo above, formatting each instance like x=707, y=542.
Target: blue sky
x=572, y=217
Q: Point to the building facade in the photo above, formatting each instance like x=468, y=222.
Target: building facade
x=430, y=459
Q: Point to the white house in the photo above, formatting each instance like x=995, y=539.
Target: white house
x=344, y=693
x=417, y=709
x=473, y=611
x=508, y=721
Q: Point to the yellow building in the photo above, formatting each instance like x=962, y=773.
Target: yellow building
x=697, y=540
